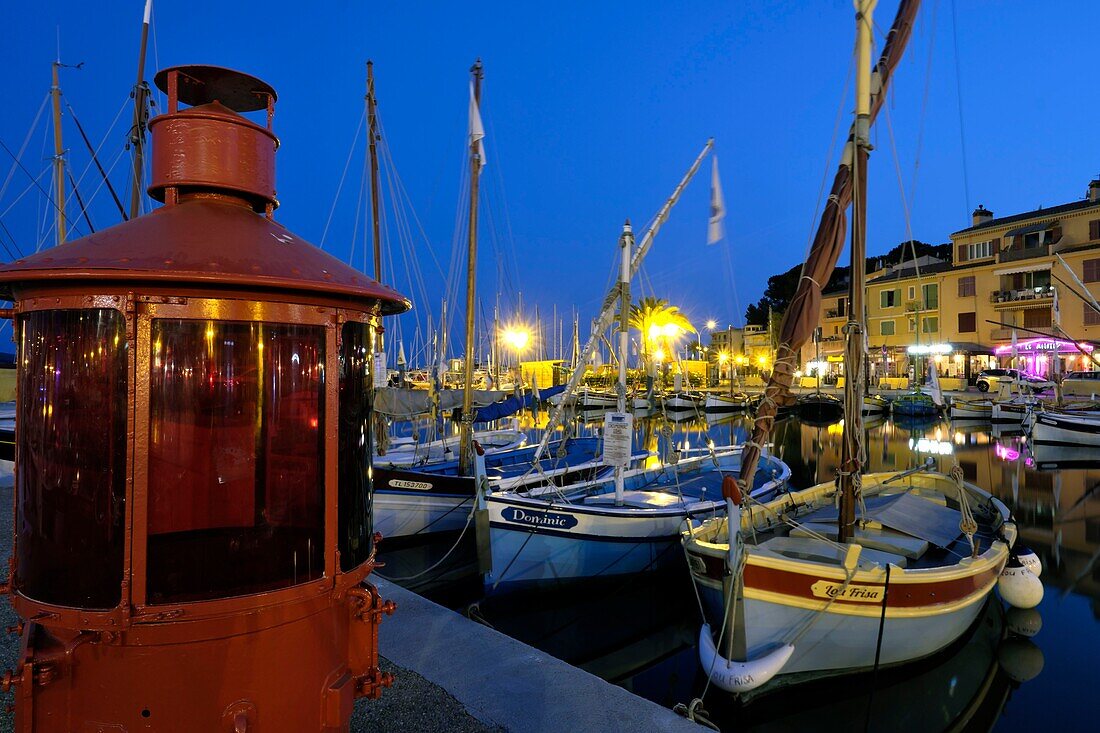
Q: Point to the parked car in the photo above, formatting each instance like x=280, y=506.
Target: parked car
x=1081, y=384
x=992, y=379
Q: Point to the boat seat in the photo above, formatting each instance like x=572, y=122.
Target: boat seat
x=886, y=540
x=815, y=550
x=635, y=499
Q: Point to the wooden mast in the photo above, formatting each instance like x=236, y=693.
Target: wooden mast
x=372, y=137
x=465, y=455
x=137, y=131
x=851, y=460
x=58, y=159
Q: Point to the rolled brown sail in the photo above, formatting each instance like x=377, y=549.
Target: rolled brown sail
x=801, y=316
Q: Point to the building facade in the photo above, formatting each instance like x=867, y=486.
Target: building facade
x=1008, y=276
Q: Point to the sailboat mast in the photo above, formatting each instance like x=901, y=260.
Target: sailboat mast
x=851, y=460
x=465, y=456
x=137, y=131
x=372, y=137
x=626, y=243
x=58, y=159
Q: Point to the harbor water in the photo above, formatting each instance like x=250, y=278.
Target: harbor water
x=1012, y=671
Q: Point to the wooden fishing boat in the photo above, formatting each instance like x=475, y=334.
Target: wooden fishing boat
x=908, y=568
x=736, y=402
x=819, y=407
x=867, y=570
x=582, y=530
x=628, y=522
x=914, y=404
x=875, y=404
x=971, y=409
x=683, y=402
x=1071, y=430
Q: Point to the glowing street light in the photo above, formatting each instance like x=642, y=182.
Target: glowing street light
x=712, y=324
x=723, y=357
x=517, y=338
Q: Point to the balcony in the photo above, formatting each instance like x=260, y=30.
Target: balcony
x=1014, y=253
x=835, y=313
x=1025, y=298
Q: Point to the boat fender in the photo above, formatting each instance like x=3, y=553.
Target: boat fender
x=1019, y=586
x=1020, y=658
x=730, y=490
x=1024, y=622
x=733, y=676
x=1029, y=559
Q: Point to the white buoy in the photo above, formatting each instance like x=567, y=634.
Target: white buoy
x=1029, y=559
x=1020, y=658
x=733, y=676
x=1019, y=586
x=1024, y=622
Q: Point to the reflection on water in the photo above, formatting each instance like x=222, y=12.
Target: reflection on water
x=1011, y=672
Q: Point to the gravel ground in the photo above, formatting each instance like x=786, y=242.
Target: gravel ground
x=412, y=705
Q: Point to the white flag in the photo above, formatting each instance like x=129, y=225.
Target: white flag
x=477, y=132
x=401, y=354
x=1055, y=315
x=715, y=230
x=934, y=383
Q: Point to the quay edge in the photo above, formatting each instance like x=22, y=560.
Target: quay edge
x=503, y=682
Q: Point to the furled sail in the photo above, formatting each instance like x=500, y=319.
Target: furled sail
x=801, y=317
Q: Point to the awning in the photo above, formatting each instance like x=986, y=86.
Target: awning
x=1032, y=228
x=972, y=349
x=1023, y=268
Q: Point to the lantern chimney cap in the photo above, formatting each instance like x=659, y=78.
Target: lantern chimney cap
x=201, y=84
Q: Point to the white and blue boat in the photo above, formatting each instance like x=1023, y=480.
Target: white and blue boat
x=579, y=531
x=437, y=497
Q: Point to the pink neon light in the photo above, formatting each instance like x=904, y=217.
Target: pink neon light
x=1005, y=453
x=1043, y=344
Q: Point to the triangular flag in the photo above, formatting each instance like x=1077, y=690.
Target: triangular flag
x=401, y=354
x=477, y=131
x=715, y=230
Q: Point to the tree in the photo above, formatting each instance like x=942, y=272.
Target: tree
x=659, y=325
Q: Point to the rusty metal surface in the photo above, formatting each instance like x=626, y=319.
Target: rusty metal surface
x=200, y=84
x=206, y=241
x=213, y=148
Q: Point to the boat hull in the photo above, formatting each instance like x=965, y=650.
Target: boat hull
x=414, y=503
x=971, y=411
x=838, y=641
x=533, y=539
x=1066, y=430
x=681, y=403
x=831, y=618
x=724, y=403
x=1011, y=413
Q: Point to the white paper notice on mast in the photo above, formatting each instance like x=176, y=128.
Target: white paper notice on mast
x=618, y=436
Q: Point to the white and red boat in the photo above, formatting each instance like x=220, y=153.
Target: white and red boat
x=805, y=604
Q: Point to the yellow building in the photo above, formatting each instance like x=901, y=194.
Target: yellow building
x=1006, y=276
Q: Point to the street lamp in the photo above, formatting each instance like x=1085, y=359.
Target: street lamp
x=517, y=338
x=712, y=324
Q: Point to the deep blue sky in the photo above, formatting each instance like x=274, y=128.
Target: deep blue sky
x=593, y=112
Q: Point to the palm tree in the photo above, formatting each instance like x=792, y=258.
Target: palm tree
x=659, y=324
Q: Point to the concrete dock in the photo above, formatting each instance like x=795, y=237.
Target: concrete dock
x=505, y=684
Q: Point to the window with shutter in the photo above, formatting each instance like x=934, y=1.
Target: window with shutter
x=962, y=252
x=1037, y=318
x=1094, y=229
x=996, y=245
x=1092, y=318
x=967, y=287
x=1091, y=271
x=968, y=322
x=886, y=328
